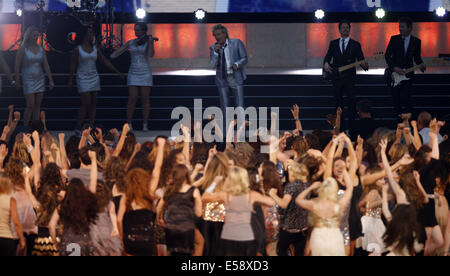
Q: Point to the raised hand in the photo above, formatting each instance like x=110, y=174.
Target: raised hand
x=86, y=132
x=406, y=160
x=92, y=155
x=295, y=111
x=126, y=128
x=17, y=115
x=360, y=140
x=339, y=111
x=383, y=144
x=3, y=151
x=160, y=142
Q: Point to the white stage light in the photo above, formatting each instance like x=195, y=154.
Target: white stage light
x=441, y=11
x=380, y=13
x=200, y=14
x=19, y=12
x=319, y=14
x=140, y=13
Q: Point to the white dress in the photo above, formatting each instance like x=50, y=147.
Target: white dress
x=33, y=78
x=140, y=73
x=87, y=75
x=326, y=237
x=373, y=229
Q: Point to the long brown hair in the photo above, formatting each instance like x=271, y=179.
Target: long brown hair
x=137, y=181
x=217, y=166
x=114, y=174
x=79, y=208
x=402, y=231
x=271, y=178
x=50, y=184
x=180, y=174
x=14, y=170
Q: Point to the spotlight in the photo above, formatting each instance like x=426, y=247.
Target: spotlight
x=440, y=11
x=380, y=13
x=319, y=14
x=200, y=14
x=140, y=13
x=19, y=12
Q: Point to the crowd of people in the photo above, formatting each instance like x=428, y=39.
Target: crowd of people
x=317, y=193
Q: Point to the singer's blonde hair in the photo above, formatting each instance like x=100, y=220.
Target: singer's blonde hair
x=221, y=28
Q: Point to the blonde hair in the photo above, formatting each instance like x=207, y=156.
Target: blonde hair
x=329, y=189
x=237, y=182
x=5, y=185
x=27, y=36
x=298, y=171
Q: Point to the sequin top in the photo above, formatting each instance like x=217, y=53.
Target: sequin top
x=332, y=222
x=214, y=211
x=374, y=213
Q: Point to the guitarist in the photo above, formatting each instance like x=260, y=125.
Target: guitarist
x=344, y=51
x=400, y=53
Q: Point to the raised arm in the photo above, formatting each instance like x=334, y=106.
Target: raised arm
x=123, y=136
x=62, y=150
x=353, y=158
x=337, y=126
x=94, y=172
x=265, y=200
x=420, y=187
x=301, y=198
x=84, y=138
x=435, y=126
x=329, y=163
x=121, y=50
x=345, y=200
x=385, y=207
x=282, y=202
x=186, y=143
x=160, y=142
x=417, y=141
x=359, y=150
x=395, y=186
x=295, y=113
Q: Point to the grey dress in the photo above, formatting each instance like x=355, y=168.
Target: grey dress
x=140, y=73
x=33, y=78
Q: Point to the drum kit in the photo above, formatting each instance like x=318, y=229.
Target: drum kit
x=60, y=29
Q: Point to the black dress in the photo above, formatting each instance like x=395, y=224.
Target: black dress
x=180, y=223
x=139, y=232
x=427, y=215
x=259, y=229
x=355, y=213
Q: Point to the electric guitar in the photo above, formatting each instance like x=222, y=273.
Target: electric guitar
x=393, y=79
x=336, y=71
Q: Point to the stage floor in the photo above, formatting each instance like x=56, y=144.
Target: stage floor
x=281, y=71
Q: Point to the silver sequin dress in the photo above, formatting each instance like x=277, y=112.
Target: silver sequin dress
x=33, y=78
x=140, y=73
x=87, y=75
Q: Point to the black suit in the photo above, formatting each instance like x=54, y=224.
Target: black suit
x=395, y=57
x=346, y=82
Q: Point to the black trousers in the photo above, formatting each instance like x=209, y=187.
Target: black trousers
x=401, y=98
x=8, y=247
x=285, y=239
x=345, y=86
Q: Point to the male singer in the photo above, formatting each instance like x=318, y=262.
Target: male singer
x=228, y=56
